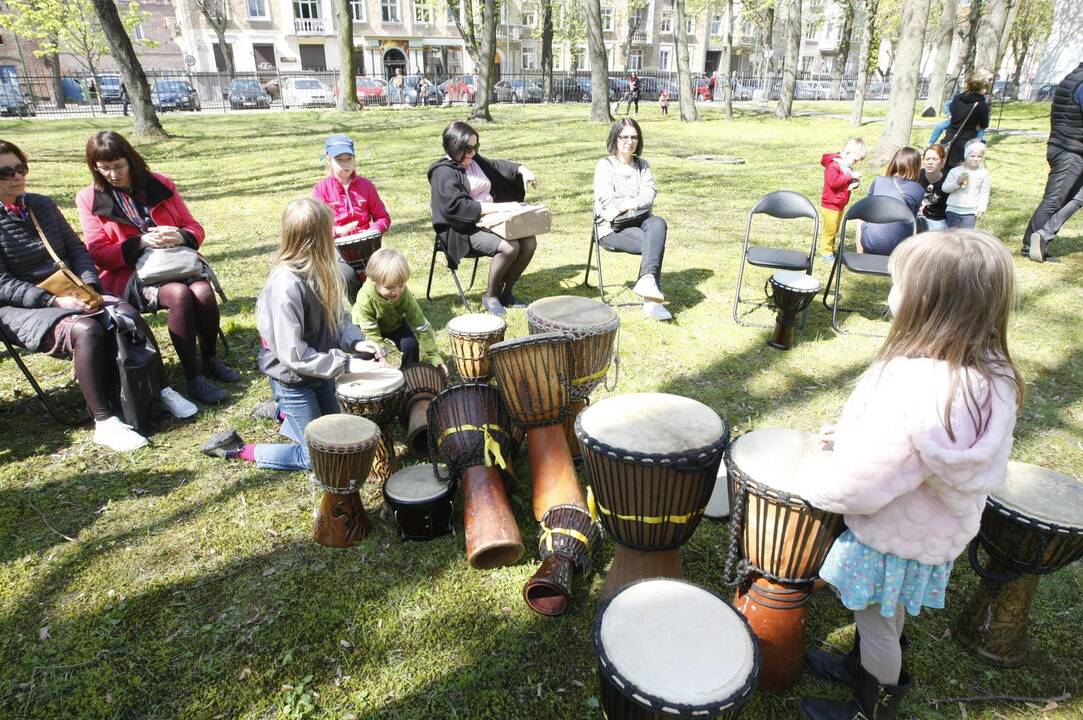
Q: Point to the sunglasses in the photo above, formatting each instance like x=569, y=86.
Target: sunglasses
x=6, y=173
x=472, y=149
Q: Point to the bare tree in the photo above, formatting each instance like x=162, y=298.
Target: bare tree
x=990, y=29
x=145, y=120
x=1006, y=31
x=216, y=12
x=792, y=25
x=838, y=66
x=687, y=97
x=599, y=63
x=905, y=78
x=864, y=60
x=1032, y=25
x=973, y=18
x=347, y=99
x=727, y=63
x=476, y=22
x=945, y=36
x=547, y=49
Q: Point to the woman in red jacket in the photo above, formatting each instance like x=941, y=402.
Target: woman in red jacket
x=127, y=210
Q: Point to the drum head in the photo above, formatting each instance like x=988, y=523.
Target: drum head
x=774, y=457
x=374, y=382
x=652, y=423
x=415, y=484
x=571, y=312
x=1042, y=494
x=676, y=642
x=475, y=324
x=357, y=237
x=794, y=280
x=342, y=432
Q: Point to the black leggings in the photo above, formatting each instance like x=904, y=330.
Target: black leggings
x=193, y=312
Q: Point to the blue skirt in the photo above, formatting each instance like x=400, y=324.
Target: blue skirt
x=863, y=576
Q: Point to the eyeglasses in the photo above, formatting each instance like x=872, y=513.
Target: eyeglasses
x=111, y=169
x=6, y=173
x=472, y=149
x=627, y=137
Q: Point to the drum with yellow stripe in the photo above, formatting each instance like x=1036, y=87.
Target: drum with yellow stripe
x=651, y=462
x=591, y=324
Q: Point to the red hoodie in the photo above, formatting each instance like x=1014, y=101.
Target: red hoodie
x=836, y=183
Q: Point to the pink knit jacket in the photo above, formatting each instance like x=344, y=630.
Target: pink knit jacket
x=904, y=486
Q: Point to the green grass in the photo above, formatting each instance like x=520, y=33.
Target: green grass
x=191, y=588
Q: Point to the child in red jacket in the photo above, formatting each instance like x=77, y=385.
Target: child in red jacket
x=840, y=179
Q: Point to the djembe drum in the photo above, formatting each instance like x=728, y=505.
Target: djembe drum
x=670, y=649
x=568, y=537
x=357, y=248
x=469, y=431
x=790, y=292
x=651, y=461
x=592, y=327
x=341, y=448
x=376, y=394
x=421, y=383
x=471, y=336
x=782, y=541
x=1031, y=527
x=533, y=376
x=420, y=501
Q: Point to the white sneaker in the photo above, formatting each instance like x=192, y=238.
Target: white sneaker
x=656, y=311
x=115, y=435
x=647, y=288
x=178, y=406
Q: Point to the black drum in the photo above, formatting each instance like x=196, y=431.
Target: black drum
x=420, y=501
x=790, y=292
x=356, y=249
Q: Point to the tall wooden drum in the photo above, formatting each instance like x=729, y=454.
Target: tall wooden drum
x=375, y=394
x=592, y=327
x=421, y=384
x=341, y=448
x=471, y=336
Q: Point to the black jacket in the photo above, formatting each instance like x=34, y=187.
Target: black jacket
x=454, y=214
x=965, y=124
x=1066, y=117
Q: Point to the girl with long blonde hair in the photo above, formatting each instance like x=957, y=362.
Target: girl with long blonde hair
x=306, y=338
x=922, y=441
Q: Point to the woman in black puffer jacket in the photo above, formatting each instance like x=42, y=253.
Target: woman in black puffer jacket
x=969, y=114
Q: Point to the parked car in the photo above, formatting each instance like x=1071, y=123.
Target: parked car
x=174, y=95
x=371, y=91
x=812, y=90
x=459, y=88
x=407, y=95
x=617, y=87
x=13, y=102
x=566, y=89
x=586, y=89
x=1045, y=92
x=527, y=92
x=248, y=93
x=109, y=88
x=702, y=87
x=75, y=91
x=306, y=92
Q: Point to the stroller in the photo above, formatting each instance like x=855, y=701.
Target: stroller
x=626, y=98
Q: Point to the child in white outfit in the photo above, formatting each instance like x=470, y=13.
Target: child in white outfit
x=967, y=186
x=921, y=442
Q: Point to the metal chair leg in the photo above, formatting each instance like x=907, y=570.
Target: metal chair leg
x=473, y=274
x=601, y=278
x=590, y=256
x=45, y=400
x=459, y=287
x=432, y=268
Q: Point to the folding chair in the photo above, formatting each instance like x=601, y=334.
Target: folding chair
x=439, y=247
x=594, y=240
x=784, y=205
x=872, y=209
x=50, y=407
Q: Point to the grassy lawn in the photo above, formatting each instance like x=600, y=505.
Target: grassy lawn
x=164, y=584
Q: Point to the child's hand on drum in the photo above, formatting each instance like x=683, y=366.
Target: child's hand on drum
x=443, y=368
x=347, y=228
x=827, y=436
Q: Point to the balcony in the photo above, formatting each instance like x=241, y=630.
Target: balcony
x=308, y=26
x=509, y=32
x=639, y=38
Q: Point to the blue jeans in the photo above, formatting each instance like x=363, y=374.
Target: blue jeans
x=939, y=130
x=955, y=220
x=299, y=406
x=649, y=240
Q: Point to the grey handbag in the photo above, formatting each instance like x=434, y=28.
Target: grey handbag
x=158, y=265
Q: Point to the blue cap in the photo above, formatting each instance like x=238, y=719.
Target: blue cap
x=338, y=145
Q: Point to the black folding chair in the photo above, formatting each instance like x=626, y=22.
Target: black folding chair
x=594, y=240
x=784, y=205
x=872, y=209
x=439, y=247
x=46, y=401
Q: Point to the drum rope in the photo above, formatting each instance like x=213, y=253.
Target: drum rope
x=615, y=364
x=491, y=449
x=548, y=532
x=651, y=519
x=737, y=568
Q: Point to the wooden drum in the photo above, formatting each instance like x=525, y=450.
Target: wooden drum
x=592, y=327
x=471, y=336
x=375, y=394
x=421, y=383
x=568, y=537
x=421, y=502
x=341, y=448
x=356, y=249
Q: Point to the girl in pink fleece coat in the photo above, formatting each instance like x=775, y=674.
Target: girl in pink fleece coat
x=921, y=442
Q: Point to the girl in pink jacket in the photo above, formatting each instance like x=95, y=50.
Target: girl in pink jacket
x=921, y=442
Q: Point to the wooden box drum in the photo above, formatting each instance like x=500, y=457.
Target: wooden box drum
x=341, y=448
x=471, y=336
x=420, y=501
x=374, y=394
x=1031, y=527
x=421, y=383
x=782, y=537
x=790, y=292
x=651, y=461
x=469, y=432
x=670, y=649
x=592, y=326
x=356, y=249
x=569, y=536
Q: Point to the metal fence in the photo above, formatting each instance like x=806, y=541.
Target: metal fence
x=83, y=95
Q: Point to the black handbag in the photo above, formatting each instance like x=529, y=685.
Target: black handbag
x=629, y=219
x=139, y=367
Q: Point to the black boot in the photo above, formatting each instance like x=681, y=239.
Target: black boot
x=872, y=701
x=835, y=668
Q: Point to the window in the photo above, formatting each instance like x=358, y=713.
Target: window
x=530, y=59
x=664, y=59
x=607, y=19
x=806, y=64
x=690, y=25
x=389, y=11
x=257, y=9
x=558, y=58
x=529, y=16
x=137, y=32
x=667, y=21
x=357, y=10
x=811, y=30
x=635, y=60
x=306, y=9
x=716, y=25
x=422, y=12
x=748, y=29
x=454, y=60
x=581, y=60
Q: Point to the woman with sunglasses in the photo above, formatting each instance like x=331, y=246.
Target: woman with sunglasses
x=465, y=186
x=624, y=195
x=127, y=210
x=60, y=326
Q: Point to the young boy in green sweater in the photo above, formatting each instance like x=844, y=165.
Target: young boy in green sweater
x=386, y=310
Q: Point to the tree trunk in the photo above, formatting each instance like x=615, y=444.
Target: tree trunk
x=687, y=97
x=144, y=119
x=1019, y=56
x=973, y=20
x=485, y=64
x=792, y=30
x=994, y=16
x=709, y=71
x=599, y=63
x=727, y=63
x=945, y=36
x=547, y=50
x=53, y=63
x=767, y=47
x=347, y=98
x=1006, y=32
x=905, y=80
x=633, y=25
x=838, y=68
x=863, y=60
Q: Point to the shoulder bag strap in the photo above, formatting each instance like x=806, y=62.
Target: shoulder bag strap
x=60, y=264
x=962, y=124
x=44, y=241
